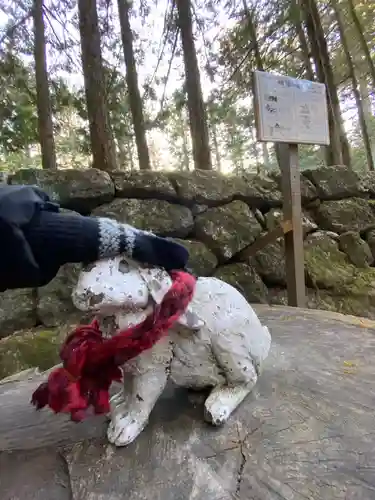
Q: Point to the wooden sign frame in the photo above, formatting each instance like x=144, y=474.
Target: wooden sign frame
x=287, y=142
x=289, y=110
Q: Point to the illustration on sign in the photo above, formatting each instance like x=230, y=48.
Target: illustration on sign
x=290, y=110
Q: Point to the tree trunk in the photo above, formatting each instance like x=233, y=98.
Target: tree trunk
x=123, y=159
x=102, y=143
x=339, y=151
x=305, y=55
x=367, y=108
x=255, y=148
x=253, y=36
x=362, y=39
x=45, y=125
x=130, y=148
x=366, y=101
x=212, y=127
x=185, y=147
x=197, y=112
x=135, y=100
x=355, y=85
x=258, y=58
x=305, y=52
x=216, y=146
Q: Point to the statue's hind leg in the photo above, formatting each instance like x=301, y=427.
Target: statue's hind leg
x=241, y=373
x=241, y=378
x=223, y=400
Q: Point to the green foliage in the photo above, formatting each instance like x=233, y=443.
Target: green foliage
x=18, y=115
x=228, y=51
x=38, y=348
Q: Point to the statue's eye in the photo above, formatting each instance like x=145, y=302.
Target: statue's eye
x=123, y=266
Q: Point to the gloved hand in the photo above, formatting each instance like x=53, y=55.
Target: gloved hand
x=36, y=239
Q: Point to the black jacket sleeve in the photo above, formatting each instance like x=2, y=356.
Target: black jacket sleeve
x=19, y=205
x=36, y=239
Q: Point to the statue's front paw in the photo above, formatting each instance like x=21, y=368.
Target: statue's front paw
x=125, y=428
x=216, y=413
x=115, y=401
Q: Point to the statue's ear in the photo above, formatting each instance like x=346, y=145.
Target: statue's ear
x=158, y=283
x=190, y=320
x=157, y=280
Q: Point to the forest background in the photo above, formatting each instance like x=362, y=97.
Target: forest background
x=166, y=84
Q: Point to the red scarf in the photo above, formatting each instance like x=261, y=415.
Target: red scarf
x=91, y=363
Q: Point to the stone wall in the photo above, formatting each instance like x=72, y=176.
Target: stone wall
x=216, y=217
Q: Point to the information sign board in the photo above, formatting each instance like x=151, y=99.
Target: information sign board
x=290, y=110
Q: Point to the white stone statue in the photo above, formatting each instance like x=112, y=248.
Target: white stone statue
x=218, y=343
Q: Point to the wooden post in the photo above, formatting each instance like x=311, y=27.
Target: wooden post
x=294, y=255
x=288, y=112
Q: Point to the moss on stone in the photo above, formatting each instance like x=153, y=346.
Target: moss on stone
x=329, y=268
x=201, y=260
x=143, y=184
x=353, y=214
x=308, y=190
x=17, y=310
x=204, y=187
x=246, y=280
x=275, y=216
x=54, y=299
x=325, y=265
x=356, y=305
x=357, y=250
x=228, y=229
x=325, y=300
x=363, y=283
x=213, y=189
x=80, y=190
x=36, y=348
x=269, y=262
x=335, y=182
x=158, y=216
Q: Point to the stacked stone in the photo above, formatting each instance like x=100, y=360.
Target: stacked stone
x=216, y=217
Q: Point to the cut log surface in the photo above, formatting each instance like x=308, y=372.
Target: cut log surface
x=306, y=432
x=22, y=427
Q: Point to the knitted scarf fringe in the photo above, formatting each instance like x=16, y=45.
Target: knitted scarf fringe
x=91, y=363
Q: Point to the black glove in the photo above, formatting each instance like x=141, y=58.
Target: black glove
x=36, y=239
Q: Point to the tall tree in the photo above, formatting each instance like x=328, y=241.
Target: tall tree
x=18, y=113
x=296, y=16
x=43, y=99
x=250, y=18
x=176, y=124
x=297, y=19
x=135, y=100
x=367, y=108
x=355, y=85
x=197, y=111
x=214, y=134
x=338, y=152
x=102, y=144
x=362, y=39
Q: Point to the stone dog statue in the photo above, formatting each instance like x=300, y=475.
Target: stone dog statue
x=218, y=343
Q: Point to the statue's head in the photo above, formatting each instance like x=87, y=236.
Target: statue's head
x=122, y=285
